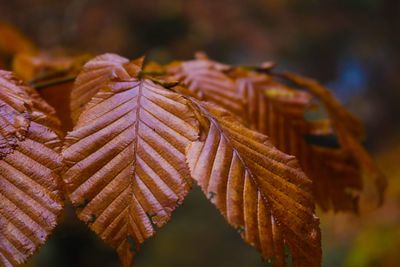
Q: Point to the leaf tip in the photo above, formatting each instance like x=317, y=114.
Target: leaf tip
x=135, y=66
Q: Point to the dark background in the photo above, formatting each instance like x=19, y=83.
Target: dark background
x=352, y=46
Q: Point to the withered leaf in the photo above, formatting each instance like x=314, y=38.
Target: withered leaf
x=336, y=110
x=350, y=133
x=30, y=197
x=280, y=112
x=207, y=80
x=95, y=73
x=261, y=191
x=41, y=67
x=15, y=113
x=125, y=158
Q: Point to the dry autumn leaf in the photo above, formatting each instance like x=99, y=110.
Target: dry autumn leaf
x=336, y=110
x=95, y=73
x=206, y=79
x=30, y=196
x=15, y=113
x=144, y=133
x=261, y=191
x=41, y=67
x=280, y=112
x=350, y=134
x=126, y=169
x=125, y=158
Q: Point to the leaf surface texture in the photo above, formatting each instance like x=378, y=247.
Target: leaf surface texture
x=126, y=169
x=206, y=79
x=95, y=73
x=260, y=191
x=281, y=113
x=30, y=197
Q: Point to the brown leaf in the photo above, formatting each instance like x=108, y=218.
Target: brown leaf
x=15, y=113
x=206, y=79
x=30, y=198
x=350, y=133
x=279, y=112
x=126, y=169
x=43, y=69
x=260, y=191
x=336, y=110
x=95, y=73
x=44, y=113
x=33, y=66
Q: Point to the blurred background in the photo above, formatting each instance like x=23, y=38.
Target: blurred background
x=352, y=46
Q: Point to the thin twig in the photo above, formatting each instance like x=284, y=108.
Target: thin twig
x=45, y=84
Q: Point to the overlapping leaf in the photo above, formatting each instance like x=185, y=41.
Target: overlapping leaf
x=95, y=72
x=15, y=113
x=45, y=67
x=260, y=191
x=30, y=198
x=350, y=133
x=206, y=79
x=280, y=112
x=53, y=76
x=126, y=169
x=336, y=110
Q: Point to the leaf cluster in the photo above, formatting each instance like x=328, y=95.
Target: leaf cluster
x=264, y=147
